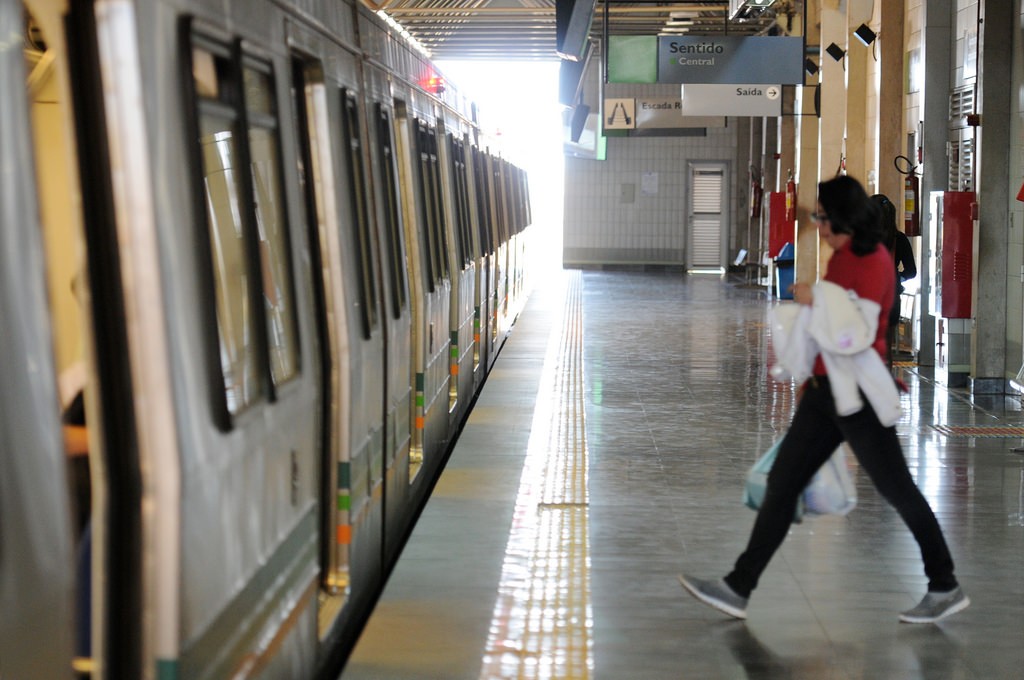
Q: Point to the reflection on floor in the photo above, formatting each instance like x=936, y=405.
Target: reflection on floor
x=678, y=404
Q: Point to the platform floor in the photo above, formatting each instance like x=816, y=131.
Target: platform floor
x=607, y=453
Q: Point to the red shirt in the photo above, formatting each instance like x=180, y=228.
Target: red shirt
x=871, y=277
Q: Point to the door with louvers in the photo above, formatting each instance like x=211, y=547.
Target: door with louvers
x=706, y=216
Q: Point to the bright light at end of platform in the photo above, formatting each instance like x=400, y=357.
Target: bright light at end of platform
x=527, y=122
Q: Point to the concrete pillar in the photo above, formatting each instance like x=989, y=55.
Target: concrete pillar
x=989, y=372
x=805, y=166
x=890, y=47
x=857, y=85
x=936, y=60
x=832, y=132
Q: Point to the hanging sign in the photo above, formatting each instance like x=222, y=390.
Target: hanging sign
x=731, y=100
x=763, y=60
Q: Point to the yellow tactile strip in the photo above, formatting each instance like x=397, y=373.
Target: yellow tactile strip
x=542, y=623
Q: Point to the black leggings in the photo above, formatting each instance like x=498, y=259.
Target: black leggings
x=815, y=433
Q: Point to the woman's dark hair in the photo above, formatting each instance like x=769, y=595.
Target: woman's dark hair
x=888, y=211
x=850, y=211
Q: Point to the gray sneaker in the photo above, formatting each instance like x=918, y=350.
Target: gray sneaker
x=716, y=594
x=936, y=606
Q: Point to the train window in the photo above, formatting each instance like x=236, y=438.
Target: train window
x=222, y=182
x=393, y=228
x=458, y=172
x=483, y=195
x=245, y=220
x=424, y=197
x=436, y=204
x=268, y=199
x=352, y=152
x=472, y=247
x=499, y=203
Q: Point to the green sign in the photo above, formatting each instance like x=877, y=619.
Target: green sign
x=632, y=59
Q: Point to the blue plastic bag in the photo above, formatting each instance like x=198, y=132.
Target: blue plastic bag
x=757, y=482
x=830, y=492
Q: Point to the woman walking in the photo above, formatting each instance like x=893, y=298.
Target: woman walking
x=849, y=222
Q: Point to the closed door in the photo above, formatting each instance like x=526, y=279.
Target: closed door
x=707, y=219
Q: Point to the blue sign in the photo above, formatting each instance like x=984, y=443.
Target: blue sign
x=759, y=60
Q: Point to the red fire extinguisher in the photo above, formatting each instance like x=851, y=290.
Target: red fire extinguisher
x=756, y=196
x=790, y=198
x=911, y=197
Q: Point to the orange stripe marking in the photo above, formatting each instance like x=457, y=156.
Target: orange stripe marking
x=344, y=534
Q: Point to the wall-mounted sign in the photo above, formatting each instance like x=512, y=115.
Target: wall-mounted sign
x=763, y=60
x=731, y=100
x=619, y=114
x=667, y=113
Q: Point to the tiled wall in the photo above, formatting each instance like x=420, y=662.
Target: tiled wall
x=608, y=218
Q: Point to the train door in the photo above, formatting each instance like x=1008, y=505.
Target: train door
x=484, y=265
x=245, y=367
x=335, y=185
x=423, y=208
x=81, y=124
x=506, y=249
x=452, y=162
x=37, y=579
x=707, y=221
x=396, y=312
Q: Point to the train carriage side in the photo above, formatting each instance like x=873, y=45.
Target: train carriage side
x=354, y=326
x=201, y=418
x=431, y=283
x=483, y=264
x=518, y=207
x=244, y=345
x=506, y=276
x=462, y=262
x=399, y=503
x=487, y=267
x=282, y=247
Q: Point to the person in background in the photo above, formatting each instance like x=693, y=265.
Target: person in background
x=848, y=222
x=903, y=258
x=71, y=385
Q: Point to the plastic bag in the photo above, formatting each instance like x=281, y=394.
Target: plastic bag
x=831, y=491
x=757, y=482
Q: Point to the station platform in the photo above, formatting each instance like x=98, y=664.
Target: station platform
x=607, y=453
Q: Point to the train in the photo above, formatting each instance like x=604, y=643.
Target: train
x=273, y=256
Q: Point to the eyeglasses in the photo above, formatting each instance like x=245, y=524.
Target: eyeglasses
x=819, y=217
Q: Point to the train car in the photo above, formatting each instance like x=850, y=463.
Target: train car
x=272, y=263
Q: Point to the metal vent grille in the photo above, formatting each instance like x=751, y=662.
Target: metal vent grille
x=961, y=102
x=961, y=164
x=707, y=192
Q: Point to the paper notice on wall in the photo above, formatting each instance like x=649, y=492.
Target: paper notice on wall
x=649, y=184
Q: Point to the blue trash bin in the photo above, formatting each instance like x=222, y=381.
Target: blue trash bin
x=784, y=272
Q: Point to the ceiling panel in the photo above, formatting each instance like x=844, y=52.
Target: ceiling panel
x=525, y=29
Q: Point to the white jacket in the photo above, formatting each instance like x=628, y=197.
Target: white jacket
x=841, y=327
